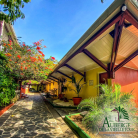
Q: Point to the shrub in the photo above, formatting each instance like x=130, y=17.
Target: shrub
x=99, y=107
x=7, y=83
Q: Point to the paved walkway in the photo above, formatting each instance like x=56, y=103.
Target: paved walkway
x=30, y=119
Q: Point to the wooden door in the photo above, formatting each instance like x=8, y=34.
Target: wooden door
x=103, y=79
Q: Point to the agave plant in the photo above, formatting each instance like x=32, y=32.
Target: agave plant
x=77, y=85
x=100, y=107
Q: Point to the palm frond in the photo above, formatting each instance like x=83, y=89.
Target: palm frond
x=99, y=107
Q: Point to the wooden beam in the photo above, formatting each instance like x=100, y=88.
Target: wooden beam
x=96, y=35
x=52, y=79
x=126, y=60
x=129, y=17
x=64, y=74
x=85, y=51
x=114, y=45
x=117, y=40
x=48, y=81
x=74, y=70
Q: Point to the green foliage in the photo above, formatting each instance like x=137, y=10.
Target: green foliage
x=11, y=10
x=100, y=107
x=30, y=82
x=77, y=85
x=7, y=83
x=28, y=62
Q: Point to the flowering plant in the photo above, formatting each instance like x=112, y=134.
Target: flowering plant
x=28, y=62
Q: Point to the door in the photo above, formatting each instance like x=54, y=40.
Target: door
x=103, y=79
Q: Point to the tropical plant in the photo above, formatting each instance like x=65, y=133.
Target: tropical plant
x=77, y=85
x=100, y=107
x=28, y=62
x=11, y=9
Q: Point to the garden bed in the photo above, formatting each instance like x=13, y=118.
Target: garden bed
x=59, y=103
x=4, y=109
x=75, y=122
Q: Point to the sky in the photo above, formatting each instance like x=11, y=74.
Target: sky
x=60, y=23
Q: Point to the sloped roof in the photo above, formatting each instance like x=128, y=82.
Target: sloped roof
x=101, y=47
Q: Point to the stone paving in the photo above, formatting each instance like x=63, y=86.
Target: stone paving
x=31, y=119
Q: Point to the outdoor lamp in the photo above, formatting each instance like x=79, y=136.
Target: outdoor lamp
x=124, y=7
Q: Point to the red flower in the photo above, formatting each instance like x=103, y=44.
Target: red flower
x=38, y=48
x=40, y=59
x=40, y=52
x=23, y=44
x=28, y=50
x=53, y=58
x=43, y=55
x=44, y=46
x=37, y=43
x=25, y=67
x=19, y=56
x=10, y=41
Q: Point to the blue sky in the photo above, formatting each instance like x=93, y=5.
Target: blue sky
x=60, y=23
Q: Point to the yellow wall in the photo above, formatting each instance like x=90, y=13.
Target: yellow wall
x=34, y=86
x=55, y=85
x=87, y=91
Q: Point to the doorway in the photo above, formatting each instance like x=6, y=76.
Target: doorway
x=103, y=79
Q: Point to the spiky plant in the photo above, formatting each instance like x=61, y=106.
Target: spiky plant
x=100, y=107
x=77, y=85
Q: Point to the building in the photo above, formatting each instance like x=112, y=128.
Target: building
x=7, y=33
x=107, y=52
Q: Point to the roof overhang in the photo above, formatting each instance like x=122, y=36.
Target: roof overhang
x=98, y=46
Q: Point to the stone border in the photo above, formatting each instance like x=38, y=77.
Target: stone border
x=55, y=106
x=77, y=129
x=5, y=109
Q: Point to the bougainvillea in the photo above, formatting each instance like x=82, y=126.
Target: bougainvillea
x=28, y=62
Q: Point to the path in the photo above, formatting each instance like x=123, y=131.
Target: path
x=30, y=119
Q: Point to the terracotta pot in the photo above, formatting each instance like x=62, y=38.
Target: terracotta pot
x=77, y=100
x=61, y=96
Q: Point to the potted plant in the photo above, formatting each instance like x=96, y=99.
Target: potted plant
x=77, y=90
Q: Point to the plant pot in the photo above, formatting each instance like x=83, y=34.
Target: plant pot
x=77, y=100
x=61, y=96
